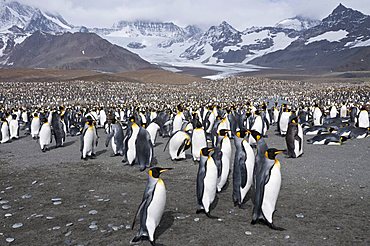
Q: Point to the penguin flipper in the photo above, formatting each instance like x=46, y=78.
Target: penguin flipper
x=141, y=206
x=243, y=173
x=181, y=148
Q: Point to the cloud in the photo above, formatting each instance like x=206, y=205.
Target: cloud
x=239, y=13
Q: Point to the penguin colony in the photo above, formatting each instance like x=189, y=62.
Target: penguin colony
x=224, y=135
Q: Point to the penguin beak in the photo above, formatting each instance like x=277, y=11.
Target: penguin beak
x=165, y=169
x=280, y=151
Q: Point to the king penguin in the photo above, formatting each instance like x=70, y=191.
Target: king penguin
x=88, y=139
x=151, y=207
x=268, y=182
x=178, y=144
x=243, y=168
x=130, y=142
x=198, y=140
x=224, y=144
x=115, y=136
x=35, y=126
x=294, y=139
x=45, y=134
x=5, y=135
x=206, y=182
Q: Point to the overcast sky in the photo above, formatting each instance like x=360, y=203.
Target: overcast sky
x=239, y=13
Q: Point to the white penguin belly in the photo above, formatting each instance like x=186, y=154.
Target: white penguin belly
x=4, y=133
x=156, y=208
x=320, y=142
x=226, y=161
x=88, y=141
x=131, y=150
x=45, y=135
x=35, y=128
x=175, y=144
x=210, y=184
x=272, y=189
x=198, y=142
x=114, y=146
x=249, y=163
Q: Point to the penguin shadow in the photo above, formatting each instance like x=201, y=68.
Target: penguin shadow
x=166, y=222
x=69, y=143
x=188, y=156
x=100, y=152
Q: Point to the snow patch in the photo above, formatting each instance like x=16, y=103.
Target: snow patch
x=56, y=21
x=331, y=36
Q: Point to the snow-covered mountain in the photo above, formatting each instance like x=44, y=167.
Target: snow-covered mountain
x=297, y=41
x=225, y=44
x=18, y=21
x=297, y=23
x=341, y=41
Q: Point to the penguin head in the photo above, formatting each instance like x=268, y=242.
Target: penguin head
x=272, y=153
x=343, y=139
x=241, y=134
x=256, y=135
x=156, y=171
x=294, y=120
x=206, y=151
x=132, y=119
x=223, y=132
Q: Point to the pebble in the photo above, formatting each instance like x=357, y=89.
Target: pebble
x=93, y=227
x=128, y=227
x=91, y=190
x=8, y=215
x=50, y=217
x=56, y=228
x=115, y=228
x=248, y=233
x=4, y=201
x=9, y=188
x=57, y=203
x=39, y=216
x=17, y=225
x=83, y=206
x=196, y=219
x=9, y=239
x=220, y=220
x=100, y=200
x=26, y=196
x=6, y=207
x=93, y=212
x=80, y=219
x=287, y=237
x=69, y=224
x=34, y=182
x=68, y=234
x=337, y=228
x=106, y=200
x=56, y=199
x=300, y=215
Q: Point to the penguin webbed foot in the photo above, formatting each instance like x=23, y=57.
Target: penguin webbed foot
x=201, y=210
x=276, y=228
x=211, y=216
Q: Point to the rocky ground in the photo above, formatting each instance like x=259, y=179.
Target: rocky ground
x=54, y=198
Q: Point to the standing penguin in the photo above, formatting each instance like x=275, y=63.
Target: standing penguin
x=268, y=182
x=317, y=116
x=206, y=182
x=151, y=207
x=153, y=129
x=129, y=152
x=243, y=168
x=89, y=139
x=284, y=121
x=45, y=134
x=5, y=135
x=178, y=119
x=363, y=118
x=58, y=129
x=35, y=126
x=294, y=139
x=115, y=136
x=198, y=141
x=225, y=145
x=14, y=127
x=144, y=149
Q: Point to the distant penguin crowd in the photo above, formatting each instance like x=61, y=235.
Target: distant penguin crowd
x=226, y=139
